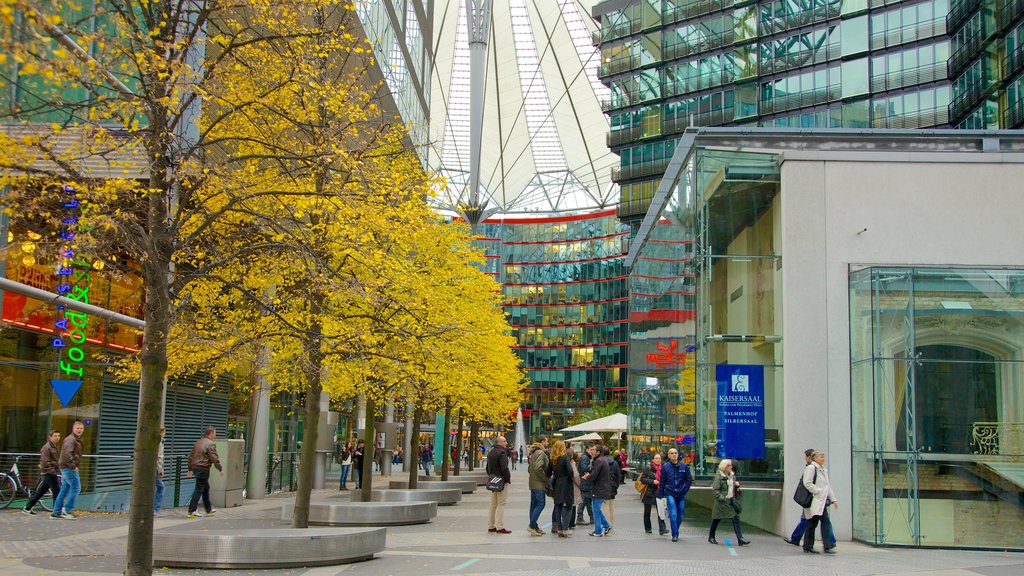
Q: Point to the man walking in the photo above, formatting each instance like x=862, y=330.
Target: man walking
x=425, y=457
x=539, y=469
x=49, y=466
x=497, y=465
x=203, y=456
x=675, y=483
x=357, y=462
x=158, y=497
x=586, y=489
x=602, y=483
x=68, y=462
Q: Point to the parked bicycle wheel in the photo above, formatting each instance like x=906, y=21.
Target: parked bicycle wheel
x=29, y=491
x=7, y=490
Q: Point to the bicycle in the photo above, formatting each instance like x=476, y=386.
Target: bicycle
x=11, y=486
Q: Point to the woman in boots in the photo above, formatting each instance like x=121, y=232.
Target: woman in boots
x=562, y=489
x=725, y=488
x=651, y=478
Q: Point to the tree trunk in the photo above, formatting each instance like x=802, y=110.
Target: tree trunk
x=153, y=373
x=458, y=444
x=447, y=442
x=369, y=437
x=413, y=457
x=311, y=429
x=474, y=443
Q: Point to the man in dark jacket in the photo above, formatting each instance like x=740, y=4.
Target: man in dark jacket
x=602, y=483
x=68, y=461
x=675, y=483
x=497, y=465
x=203, y=457
x=586, y=489
x=540, y=470
x=49, y=459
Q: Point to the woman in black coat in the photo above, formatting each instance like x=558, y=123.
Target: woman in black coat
x=562, y=489
x=650, y=478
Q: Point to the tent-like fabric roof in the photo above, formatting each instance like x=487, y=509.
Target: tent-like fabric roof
x=613, y=423
x=544, y=131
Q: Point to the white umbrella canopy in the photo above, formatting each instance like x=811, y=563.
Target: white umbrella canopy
x=613, y=423
x=592, y=437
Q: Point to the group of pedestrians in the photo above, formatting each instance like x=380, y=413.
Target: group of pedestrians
x=351, y=460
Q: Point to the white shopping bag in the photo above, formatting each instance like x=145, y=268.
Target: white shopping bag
x=662, y=508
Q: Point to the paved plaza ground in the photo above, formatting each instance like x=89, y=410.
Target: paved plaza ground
x=457, y=542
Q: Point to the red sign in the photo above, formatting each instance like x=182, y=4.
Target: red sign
x=667, y=357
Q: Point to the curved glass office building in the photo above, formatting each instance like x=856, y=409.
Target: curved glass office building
x=566, y=296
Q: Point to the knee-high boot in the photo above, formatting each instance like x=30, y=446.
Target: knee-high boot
x=739, y=534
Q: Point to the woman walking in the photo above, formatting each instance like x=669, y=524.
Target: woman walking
x=346, y=464
x=816, y=481
x=651, y=478
x=562, y=489
x=725, y=488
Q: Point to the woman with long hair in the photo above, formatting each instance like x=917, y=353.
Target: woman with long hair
x=562, y=489
x=725, y=488
x=345, y=459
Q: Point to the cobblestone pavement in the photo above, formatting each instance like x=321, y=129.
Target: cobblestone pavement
x=457, y=542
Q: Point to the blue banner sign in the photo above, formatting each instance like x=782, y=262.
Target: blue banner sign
x=740, y=410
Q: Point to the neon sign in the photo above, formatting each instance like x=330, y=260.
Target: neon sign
x=667, y=357
x=70, y=325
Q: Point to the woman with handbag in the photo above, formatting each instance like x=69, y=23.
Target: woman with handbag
x=726, y=490
x=651, y=478
x=815, y=481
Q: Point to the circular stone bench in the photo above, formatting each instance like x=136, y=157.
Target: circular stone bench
x=467, y=486
x=445, y=497
x=365, y=513
x=187, y=546
x=479, y=478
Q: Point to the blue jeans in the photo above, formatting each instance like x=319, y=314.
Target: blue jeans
x=601, y=524
x=71, y=485
x=801, y=527
x=426, y=467
x=537, y=502
x=676, y=508
x=344, y=475
x=158, y=498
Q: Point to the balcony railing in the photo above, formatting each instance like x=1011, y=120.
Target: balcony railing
x=639, y=170
x=959, y=12
x=909, y=77
x=1013, y=62
x=679, y=13
x=919, y=31
x=619, y=65
x=1009, y=12
x=921, y=119
x=965, y=102
x=1013, y=116
x=801, y=99
x=800, y=19
x=710, y=42
x=998, y=438
x=964, y=55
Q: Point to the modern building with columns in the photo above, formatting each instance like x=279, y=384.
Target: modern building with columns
x=859, y=292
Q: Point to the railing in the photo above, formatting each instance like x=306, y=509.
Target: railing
x=998, y=438
x=620, y=65
x=639, y=170
x=959, y=12
x=964, y=102
x=1013, y=62
x=920, y=119
x=801, y=99
x=683, y=49
x=800, y=19
x=919, y=31
x=678, y=13
x=965, y=54
x=1013, y=116
x=908, y=77
x=282, y=471
x=1008, y=11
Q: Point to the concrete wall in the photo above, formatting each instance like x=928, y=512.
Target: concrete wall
x=916, y=211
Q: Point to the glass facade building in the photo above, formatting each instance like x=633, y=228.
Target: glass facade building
x=671, y=64
x=566, y=296
x=914, y=386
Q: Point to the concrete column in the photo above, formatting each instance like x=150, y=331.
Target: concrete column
x=361, y=417
x=259, y=426
x=324, y=444
x=478, y=21
x=389, y=439
x=410, y=457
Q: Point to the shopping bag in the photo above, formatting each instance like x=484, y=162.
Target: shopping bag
x=662, y=508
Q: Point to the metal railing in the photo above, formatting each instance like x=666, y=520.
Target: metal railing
x=959, y=12
x=640, y=170
x=918, y=31
x=1008, y=11
x=908, y=77
x=965, y=101
x=1013, y=116
x=998, y=438
x=799, y=19
x=965, y=54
